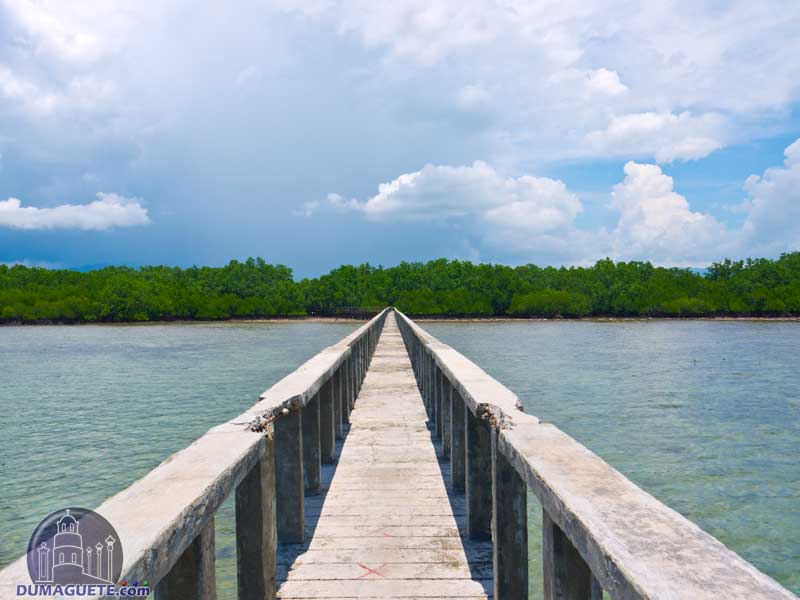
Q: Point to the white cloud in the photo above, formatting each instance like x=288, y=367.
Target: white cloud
x=473, y=95
x=666, y=136
x=607, y=82
x=523, y=212
x=538, y=205
x=27, y=262
x=564, y=78
x=136, y=93
x=340, y=203
x=656, y=222
x=792, y=153
x=773, y=222
x=246, y=75
x=307, y=209
x=537, y=214
x=476, y=191
x=108, y=211
x=530, y=217
x=691, y=72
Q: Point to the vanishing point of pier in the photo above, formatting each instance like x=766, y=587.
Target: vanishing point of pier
x=390, y=466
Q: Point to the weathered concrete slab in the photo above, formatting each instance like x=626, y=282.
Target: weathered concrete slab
x=155, y=527
x=386, y=570
x=398, y=512
x=376, y=587
x=636, y=546
x=387, y=519
x=384, y=555
x=379, y=495
x=386, y=542
x=388, y=524
x=323, y=529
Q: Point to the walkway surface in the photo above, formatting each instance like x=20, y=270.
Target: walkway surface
x=388, y=524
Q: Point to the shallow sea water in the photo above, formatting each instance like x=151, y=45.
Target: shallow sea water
x=87, y=410
x=703, y=415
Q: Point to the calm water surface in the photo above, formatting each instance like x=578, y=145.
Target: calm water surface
x=88, y=410
x=704, y=415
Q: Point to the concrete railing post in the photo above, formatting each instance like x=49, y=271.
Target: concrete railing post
x=357, y=373
x=431, y=391
x=351, y=374
x=289, y=480
x=337, y=403
x=356, y=369
x=423, y=366
x=421, y=374
x=478, y=477
x=445, y=405
x=356, y=355
x=362, y=363
x=353, y=383
x=566, y=574
x=428, y=382
x=438, y=399
x=347, y=386
x=509, y=528
x=418, y=364
x=256, y=535
x=312, y=457
x=327, y=423
x=458, y=457
x=193, y=576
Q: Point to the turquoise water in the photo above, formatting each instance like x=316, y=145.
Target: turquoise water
x=705, y=415
x=88, y=410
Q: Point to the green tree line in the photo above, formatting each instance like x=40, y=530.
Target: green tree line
x=253, y=288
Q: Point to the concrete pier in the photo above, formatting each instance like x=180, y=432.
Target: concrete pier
x=390, y=466
x=389, y=523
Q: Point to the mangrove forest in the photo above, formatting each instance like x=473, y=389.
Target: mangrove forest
x=446, y=288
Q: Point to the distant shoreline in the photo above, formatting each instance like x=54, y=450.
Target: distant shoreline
x=598, y=319
x=430, y=319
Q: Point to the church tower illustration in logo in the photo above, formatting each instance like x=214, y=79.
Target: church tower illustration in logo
x=74, y=548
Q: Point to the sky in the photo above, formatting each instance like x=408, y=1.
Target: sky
x=322, y=132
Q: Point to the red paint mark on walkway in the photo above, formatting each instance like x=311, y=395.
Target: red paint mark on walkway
x=381, y=531
x=375, y=571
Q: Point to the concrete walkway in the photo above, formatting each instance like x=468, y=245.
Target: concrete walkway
x=388, y=524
